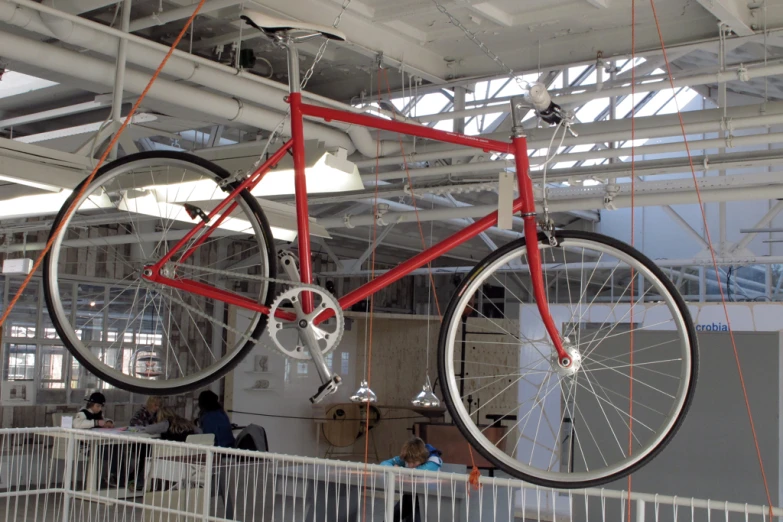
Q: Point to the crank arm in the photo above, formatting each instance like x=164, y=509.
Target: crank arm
x=329, y=381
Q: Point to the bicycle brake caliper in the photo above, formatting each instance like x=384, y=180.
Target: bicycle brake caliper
x=195, y=212
x=548, y=228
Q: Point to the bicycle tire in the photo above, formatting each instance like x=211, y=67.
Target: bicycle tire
x=51, y=289
x=454, y=402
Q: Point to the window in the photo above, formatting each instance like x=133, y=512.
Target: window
x=19, y=362
x=345, y=360
x=33, y=351
x=23, y=331
x=53, y=370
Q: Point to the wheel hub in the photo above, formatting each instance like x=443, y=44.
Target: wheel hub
x=576, y=360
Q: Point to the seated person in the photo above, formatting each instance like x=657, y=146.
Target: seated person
x=146, y=415
x=91, y=416
x=213, y=419
x=171, y=426
x=414, y=454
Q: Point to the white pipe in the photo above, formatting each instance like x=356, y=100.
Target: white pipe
x=643, y=168
x=179, y=14
x=646, y=128
x=743, y=75
x=119, y=74
x=459, y=222
x=77, y=6
x=184, y=66
x=664, y=197
x=497, y=166
x=93, y=70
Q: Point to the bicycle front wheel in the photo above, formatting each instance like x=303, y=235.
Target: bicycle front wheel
x=142, y=336
x=630, y=336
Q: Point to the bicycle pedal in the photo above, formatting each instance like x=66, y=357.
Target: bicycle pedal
x=326, y=388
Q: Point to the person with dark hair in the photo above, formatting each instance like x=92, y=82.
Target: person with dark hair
x=91, y=416
x=213, y=419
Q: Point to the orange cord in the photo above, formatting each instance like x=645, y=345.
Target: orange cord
x=714, y=262
x=368, y=362
x=415, y=208
x=633, y=235
x=100, y=163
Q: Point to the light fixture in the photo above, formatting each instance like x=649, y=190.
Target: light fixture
x=329, y=173
x=147, y=203
x=364, y=394
x=206, y=195
x=35, y=205
x=426, y=398
x=326, y=171
x=92, y=303
x=30, y=183
x=80, y=129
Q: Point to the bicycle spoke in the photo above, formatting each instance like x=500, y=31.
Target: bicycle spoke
x=513, y=375
x=129, y=217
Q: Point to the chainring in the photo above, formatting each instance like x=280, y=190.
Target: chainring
x=328, y=333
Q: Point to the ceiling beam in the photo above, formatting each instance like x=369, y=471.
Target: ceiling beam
x=493, y=14
x=734, y=13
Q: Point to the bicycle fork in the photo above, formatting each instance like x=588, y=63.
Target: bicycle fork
x=519, y=107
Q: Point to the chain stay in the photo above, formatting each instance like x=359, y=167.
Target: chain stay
x=243, y=335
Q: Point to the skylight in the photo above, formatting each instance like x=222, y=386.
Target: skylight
x=13, y=83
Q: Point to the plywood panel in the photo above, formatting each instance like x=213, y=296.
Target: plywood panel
x=399, y=362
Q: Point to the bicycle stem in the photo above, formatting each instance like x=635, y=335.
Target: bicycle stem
x=519, y=106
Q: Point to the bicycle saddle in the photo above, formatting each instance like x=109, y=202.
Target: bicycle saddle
x=270, y=24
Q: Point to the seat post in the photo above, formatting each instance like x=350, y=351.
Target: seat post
x=293, y=65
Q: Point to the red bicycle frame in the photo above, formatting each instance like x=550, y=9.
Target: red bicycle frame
x=524, y=204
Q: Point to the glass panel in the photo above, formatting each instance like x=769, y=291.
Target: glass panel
x=82, y=381
x=23, y=318
x=19, y=362
x=90, y=311
x=52, y=361
x=66, y=298
x=53, y=371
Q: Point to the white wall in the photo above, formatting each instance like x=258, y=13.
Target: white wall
x=290, y=394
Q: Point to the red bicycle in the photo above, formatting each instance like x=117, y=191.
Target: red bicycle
x=590, y=387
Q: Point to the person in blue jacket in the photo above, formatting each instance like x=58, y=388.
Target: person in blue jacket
x=213, y=419
x=414, y=454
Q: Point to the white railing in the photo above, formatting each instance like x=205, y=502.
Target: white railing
x=53, y=474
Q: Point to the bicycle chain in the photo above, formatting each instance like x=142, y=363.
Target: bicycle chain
x=243, y=335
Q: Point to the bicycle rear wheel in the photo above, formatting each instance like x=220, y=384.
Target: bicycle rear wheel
x=142, y=336
x=629, y=387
